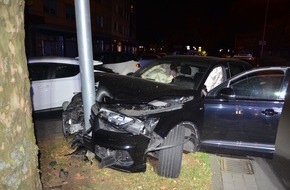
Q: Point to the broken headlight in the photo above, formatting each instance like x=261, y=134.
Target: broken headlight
x=127, y=123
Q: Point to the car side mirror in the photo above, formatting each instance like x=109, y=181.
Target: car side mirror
x=227, y=93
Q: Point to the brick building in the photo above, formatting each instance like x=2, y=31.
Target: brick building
x=50, y=27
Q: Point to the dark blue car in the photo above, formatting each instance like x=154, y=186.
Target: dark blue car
x=212, y=104
x=242, y=114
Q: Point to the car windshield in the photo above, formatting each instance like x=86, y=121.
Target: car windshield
x=180, y=73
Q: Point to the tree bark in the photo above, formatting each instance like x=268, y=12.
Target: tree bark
x=18, y=149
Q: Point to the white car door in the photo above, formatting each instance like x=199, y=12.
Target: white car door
x=41, y=94
x=40, y=85
x=65, y=84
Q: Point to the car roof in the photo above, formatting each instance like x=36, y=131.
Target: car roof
x=53, y=59
x=57, y=59
x=197, y=58
x=149, y=56
x=266, y=68
x=209, y=60
x=206, y=62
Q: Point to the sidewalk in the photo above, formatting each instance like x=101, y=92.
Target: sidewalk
x=242, y=174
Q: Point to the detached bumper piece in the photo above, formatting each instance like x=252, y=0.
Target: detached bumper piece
x=122, y=151
x=108, y=161
x=112, y=157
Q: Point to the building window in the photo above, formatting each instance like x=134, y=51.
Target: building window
x=131, y=8
x=70, y=12
x=115, y=27
x=120, y=29
x=99, y=45
x=99, y=1
x=116, y=8
x=100, y=21
x=50, y=7
x=119, y=10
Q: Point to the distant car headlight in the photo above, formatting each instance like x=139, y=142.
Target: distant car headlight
x=129, y=124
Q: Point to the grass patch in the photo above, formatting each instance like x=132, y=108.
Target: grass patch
x=195, y=173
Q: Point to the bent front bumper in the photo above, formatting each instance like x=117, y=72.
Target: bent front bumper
x=122, y=151
x=118, y=149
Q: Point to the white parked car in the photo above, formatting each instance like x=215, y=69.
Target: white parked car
x=54, y=80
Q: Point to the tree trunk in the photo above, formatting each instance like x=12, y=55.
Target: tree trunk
x=18, y=150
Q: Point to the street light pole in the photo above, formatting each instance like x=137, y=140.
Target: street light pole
x=84, y=38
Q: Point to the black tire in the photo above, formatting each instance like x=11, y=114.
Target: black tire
x=65, y=134
x=169, y=159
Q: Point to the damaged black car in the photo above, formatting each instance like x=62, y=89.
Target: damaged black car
x=158, y=111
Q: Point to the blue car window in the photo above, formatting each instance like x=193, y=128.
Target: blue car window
x=259, y=85
x=236, y=69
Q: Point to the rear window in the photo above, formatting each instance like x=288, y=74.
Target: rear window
x=236, y=69
x=38, y=71
x=63, y=70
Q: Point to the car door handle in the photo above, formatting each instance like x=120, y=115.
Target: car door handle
x=43, y=86
x=269, y=112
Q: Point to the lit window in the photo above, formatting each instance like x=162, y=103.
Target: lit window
x=100, y=21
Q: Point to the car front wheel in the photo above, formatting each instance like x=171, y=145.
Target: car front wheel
x=170, y=157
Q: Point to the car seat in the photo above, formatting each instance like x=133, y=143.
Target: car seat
x=184, y=79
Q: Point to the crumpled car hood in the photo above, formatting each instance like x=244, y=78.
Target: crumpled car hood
x=119, y=88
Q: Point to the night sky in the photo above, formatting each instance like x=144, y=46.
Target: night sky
x=203, y=23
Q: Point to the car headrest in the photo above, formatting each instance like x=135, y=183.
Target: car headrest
x=186, y=70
